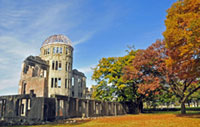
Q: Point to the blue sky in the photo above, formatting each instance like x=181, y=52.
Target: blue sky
x=97, y=28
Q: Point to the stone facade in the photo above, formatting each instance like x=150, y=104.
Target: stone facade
x=34, y=76
x=78, y=84
x=29, y=109
x=59, y=78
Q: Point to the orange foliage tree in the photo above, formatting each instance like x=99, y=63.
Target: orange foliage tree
x=182, y=37
x=147, y=70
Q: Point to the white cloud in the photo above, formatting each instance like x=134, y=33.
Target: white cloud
x=85, y=38
x=3, y=59
x=87, y=69
x=11, y=17
x=13, y=52
x=15, y=47
x=10, y=82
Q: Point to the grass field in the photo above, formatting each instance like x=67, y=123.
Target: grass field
x=158, y=119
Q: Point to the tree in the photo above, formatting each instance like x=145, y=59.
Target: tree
x=166, y=97
x=194, y=98
x=182, y=37
x=109, y=76
x=147, y=70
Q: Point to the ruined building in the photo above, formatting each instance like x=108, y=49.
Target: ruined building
x=49, y=89
x=51, y=72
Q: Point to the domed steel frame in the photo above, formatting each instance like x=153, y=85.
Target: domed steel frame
x=57, y=39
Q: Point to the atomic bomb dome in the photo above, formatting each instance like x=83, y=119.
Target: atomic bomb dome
x=51, y=73
x=57, y=39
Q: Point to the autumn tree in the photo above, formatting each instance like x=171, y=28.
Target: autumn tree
x=182, y=37
x=147, y=70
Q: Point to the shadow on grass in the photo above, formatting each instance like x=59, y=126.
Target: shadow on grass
x=190, y=115
x=56, y=123
x=177, y=111
x=161, y=112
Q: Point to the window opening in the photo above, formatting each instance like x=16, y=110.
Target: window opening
x=52, y=80
x=62, y=104
x=66, y=81
x=56, y=65
x=66, y=66
x=69, y=66
x=35, y=71
x=61, y=50
x=53, y=64
x=48, y=51
x=57, y=50
x=59, y=82
x=24, y=88
x=22, y=109
x=72, y=81
x=69, y=82
x=29, y=104
x=59, y=66
x=56, y=82
x=54, y=50
x=66, y=50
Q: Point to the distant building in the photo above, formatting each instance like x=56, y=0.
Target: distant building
x=89, y=92
x=51, y=72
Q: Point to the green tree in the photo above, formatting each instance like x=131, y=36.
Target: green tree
x=195, y=97
x=109, y=76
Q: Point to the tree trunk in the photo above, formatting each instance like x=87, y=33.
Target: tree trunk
x=141, y=107
x=133, y=107
x=137, y=109
x=183, y=110
x=138, y=106
x=188, y=103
